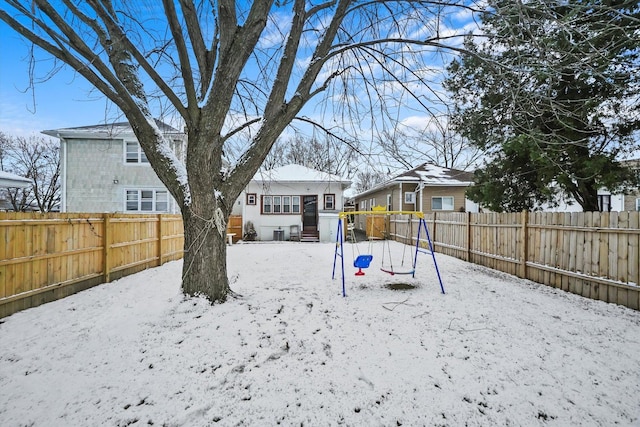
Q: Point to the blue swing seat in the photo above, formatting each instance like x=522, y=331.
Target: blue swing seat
x=362, y=261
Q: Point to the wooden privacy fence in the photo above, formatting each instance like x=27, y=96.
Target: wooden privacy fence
x=44, y=257
x=593, y=254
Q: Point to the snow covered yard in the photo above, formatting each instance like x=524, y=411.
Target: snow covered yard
x=495, y=350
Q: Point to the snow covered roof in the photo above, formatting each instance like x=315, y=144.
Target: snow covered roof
x=100, y=131
x=297, y=173
x=8, y=179
x=429, y=176
x=436, y=175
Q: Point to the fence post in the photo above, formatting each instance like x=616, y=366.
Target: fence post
x=159, y=231
x=433, y=239
x=468, y=236
x=524, y=253
x=106, y=244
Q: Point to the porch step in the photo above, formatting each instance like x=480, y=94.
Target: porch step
x=310, y=236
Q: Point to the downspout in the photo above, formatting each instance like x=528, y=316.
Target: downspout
x=420, y=188
x=243, y=201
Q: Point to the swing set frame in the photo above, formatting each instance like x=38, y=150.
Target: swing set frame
x=339, y=249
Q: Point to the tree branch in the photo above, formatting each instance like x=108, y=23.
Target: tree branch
x=183, y=54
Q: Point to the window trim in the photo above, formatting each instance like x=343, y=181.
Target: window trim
x=154, y=200
x=326, y=197
x=141, y=158
x=453, y=203
x=281, y=211
x=252, y=199
x=410, y=197
x=638, y=204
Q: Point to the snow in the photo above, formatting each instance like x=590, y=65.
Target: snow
x=297, y=173
x=493, y=350
x=436, y=175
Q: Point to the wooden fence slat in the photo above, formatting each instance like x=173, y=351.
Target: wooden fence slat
x=633, y=299
x=576, y=252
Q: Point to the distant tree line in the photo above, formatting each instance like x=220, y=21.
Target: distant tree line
x=33, y=157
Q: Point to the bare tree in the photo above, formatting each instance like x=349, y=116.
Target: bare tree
x=435, y=142
x=276, y=156
x=37, y=158
x=229, y=68
x=368, y=179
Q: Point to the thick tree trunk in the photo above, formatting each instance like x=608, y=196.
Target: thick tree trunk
x=204, y=272
x=587, y=195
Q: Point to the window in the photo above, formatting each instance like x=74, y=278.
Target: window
x=134, y=153
x=280, y=204
x=638, y=204
x=372, y=203
x=604, y=202
x=162, y=201
x=251, y=198
x=389, y=206
x=330, y=201
x=410, y=197
x=147, y=201
x=363, y=205
x=442, y=203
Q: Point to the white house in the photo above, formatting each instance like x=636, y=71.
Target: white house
x=282, y=200
x=607, y=201
x=103, y=169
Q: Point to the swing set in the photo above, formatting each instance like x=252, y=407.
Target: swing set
x=363, y=261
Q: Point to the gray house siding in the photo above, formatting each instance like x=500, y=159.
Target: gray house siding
x=96, y=176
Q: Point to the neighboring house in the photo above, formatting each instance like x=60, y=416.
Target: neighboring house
x=103, y=169
x=11, y=180
x=427, y=188
x=294, y=197
x=631, y=200
x=607, y=201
